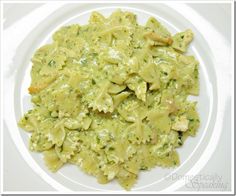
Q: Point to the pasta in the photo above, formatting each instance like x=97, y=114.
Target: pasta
x=111, y=97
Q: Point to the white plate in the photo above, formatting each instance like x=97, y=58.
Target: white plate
x=17, y=99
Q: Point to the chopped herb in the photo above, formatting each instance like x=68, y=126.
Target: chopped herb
x=180, y=135
x=52, y=63
x=98, y=140
x=143, y=168
x=94, y=54
x=83, y=61
x=93, y=81
x=180, y=143
x=111, y=148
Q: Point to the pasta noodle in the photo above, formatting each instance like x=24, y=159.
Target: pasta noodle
x=111, y=97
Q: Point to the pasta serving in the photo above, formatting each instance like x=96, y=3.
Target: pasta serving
x=111, y=97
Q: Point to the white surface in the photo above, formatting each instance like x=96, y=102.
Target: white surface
x=16, y=74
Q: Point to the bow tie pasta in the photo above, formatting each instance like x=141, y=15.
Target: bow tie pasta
x=111, y=97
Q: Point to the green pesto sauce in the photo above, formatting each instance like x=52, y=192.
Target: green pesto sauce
x=111, y=97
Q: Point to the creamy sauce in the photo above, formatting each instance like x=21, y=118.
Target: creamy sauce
x=111, y=97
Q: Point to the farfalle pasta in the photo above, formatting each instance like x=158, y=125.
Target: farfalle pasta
x=112, y=97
